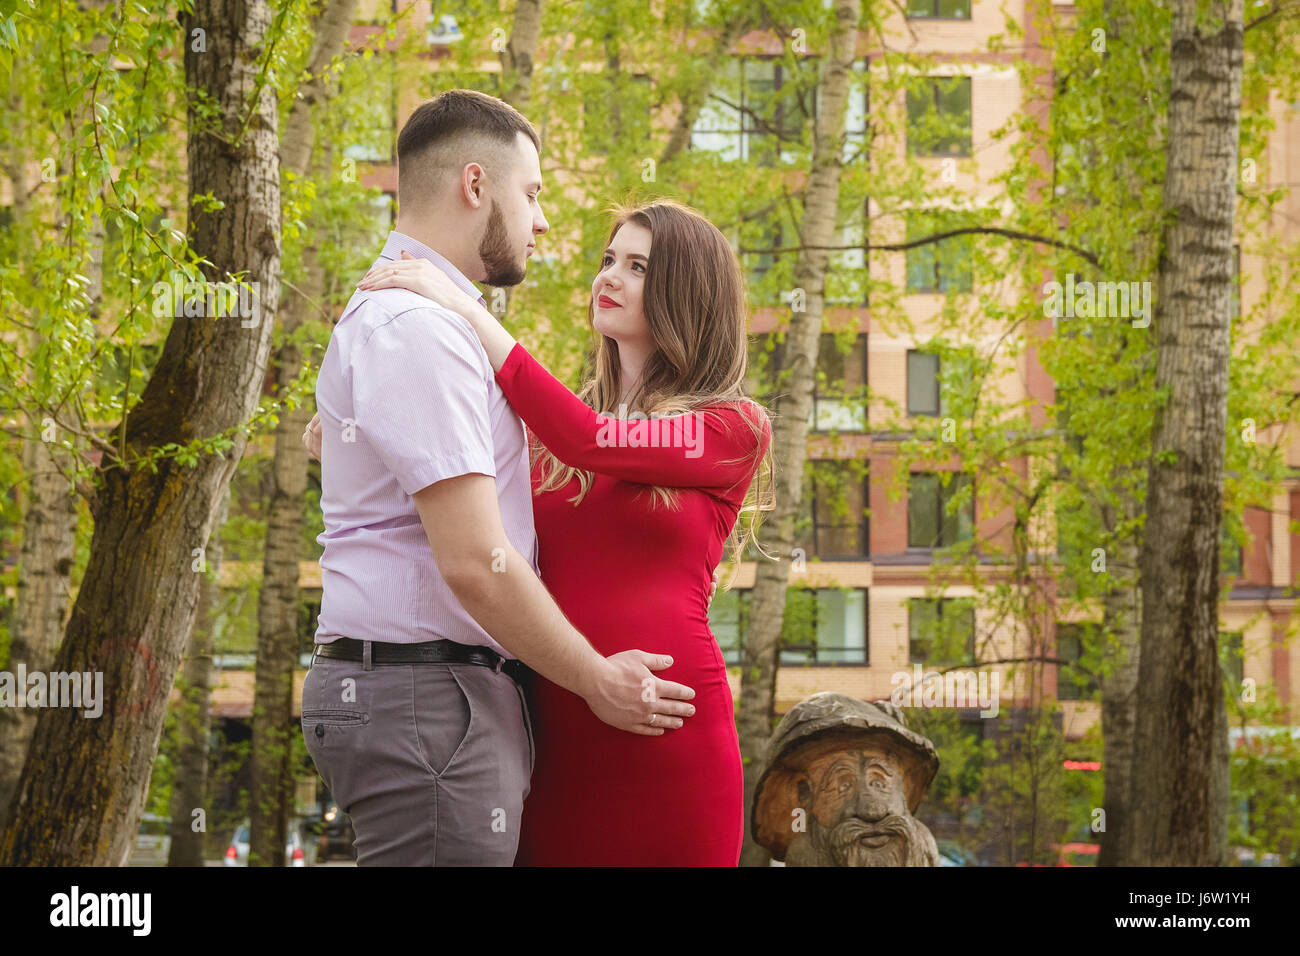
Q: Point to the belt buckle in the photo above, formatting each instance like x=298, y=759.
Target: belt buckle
x=499, y=663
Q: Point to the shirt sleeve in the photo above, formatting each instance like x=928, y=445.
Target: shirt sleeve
x=420, y=392
x=712, y=448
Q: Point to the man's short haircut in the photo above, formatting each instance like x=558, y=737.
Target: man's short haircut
x=452, y=129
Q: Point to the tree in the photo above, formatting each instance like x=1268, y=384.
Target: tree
x=1179, y=802
x=277, y=645
x=790, y=436
x=194, y=715
x=45, y=564
x=81, y=802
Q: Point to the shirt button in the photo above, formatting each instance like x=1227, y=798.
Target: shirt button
x=320, y=730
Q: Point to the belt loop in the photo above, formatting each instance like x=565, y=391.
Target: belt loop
x=367, y=660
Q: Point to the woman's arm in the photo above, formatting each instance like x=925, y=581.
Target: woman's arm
x=423, y=277
x=712, y=449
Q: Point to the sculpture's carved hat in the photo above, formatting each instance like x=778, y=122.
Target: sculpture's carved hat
x=826, y=721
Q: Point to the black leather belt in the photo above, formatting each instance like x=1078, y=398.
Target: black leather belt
x=425, y=652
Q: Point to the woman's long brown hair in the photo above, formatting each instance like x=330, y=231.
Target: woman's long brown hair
x=694, y=304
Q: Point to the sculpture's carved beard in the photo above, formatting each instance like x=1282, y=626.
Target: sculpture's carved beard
x=891, y=841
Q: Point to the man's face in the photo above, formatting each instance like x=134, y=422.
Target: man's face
x=857, y=808
x=515, y=217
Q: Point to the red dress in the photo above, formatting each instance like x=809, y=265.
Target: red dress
x=629, y=577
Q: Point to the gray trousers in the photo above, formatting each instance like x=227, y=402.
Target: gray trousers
x=431, y=761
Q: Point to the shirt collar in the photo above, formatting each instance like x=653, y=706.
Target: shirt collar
x=399, y=241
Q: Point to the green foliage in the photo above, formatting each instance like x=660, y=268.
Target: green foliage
x=1265, y=777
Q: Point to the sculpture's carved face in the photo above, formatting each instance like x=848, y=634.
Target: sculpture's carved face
x=856, y=810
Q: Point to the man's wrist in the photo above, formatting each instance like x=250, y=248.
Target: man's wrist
x=591, y=674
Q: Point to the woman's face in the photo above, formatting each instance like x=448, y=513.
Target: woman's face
x=618, y=290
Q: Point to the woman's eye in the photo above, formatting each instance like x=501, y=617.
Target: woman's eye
x=640, y=266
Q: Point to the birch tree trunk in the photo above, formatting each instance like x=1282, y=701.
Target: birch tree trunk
x=790, y=439
x=194, y=720
x=1179, y=801
x=520, y=52
x=46, y=557
x=271, y=789
x=81, y=802
x=41, y=612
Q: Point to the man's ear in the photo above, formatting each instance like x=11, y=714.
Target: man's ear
x=472, y=177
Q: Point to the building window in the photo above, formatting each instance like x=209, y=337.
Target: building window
x=923, y=393
x=1230, y=552
x=856, y=144
x=308, y=619
x=726, y=615
x=763, y=285
x=938, y=9
x=939, y=117
x=931, y=521
x=838, y=390
x=1230, y=655
x=825, y=626
x=1073, y=682
x=846, y=276
x=941, y=631
x=943, y=266
x=838, y=394
x=837, y=496
x=936, y=382
x=757, y=108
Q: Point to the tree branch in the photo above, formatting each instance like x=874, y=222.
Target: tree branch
x=939, y=237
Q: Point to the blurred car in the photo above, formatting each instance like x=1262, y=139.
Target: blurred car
x=153, y=842
x=336, y=837
x=237, y=851
x=950, y=854
x=1245, y=856
x=1077, y=854
x=1072, y=854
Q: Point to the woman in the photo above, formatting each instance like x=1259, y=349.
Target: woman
x=632, y=516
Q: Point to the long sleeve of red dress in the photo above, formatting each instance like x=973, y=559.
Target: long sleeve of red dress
x=629, y=575
x=711, y=449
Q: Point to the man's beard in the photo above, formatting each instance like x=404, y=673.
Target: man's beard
x=503, y=268
x=897, y=836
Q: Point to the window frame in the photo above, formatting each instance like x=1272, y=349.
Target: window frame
x=732, y=658
x=938, y=384
x=940, y=602
x=863, y=524
x=934, y=85
x=747, y=127
x=936, y=15
x=1076, y=631
x=944, y=493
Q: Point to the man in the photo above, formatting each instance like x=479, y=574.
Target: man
x=431, y=606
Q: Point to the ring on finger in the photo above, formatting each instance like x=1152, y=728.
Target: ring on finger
x=653, y=718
